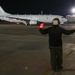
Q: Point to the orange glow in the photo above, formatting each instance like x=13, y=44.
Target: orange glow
x=41, y=25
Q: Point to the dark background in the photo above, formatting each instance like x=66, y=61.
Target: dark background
x=59, y=7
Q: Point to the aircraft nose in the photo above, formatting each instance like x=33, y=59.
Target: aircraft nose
x=65, y=20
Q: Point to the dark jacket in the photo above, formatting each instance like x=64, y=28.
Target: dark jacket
x=55, y=34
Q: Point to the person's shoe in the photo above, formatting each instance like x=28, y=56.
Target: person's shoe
x=60, y=68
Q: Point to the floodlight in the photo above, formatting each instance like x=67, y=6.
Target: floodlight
x=73, y=10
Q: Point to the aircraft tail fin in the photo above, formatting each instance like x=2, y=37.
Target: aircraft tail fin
x=2, y=11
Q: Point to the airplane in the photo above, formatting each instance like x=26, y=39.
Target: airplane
x=30, y=19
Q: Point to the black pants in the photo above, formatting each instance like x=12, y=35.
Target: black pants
x=56, y=57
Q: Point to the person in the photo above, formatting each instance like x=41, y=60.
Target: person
x=55, y=42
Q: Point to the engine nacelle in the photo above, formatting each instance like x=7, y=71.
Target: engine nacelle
x=33, y=22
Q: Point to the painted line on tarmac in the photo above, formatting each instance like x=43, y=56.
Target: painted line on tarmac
x=47, y=71
x=68, y=54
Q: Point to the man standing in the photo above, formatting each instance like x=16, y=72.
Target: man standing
x=55, y=42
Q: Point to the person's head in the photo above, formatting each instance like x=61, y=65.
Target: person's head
x=56, y=21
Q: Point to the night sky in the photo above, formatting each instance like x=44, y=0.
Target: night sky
x=58, y=7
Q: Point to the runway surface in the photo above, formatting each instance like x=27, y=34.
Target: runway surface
x=24, y=51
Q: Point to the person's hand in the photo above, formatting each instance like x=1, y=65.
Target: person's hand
x=41, y=25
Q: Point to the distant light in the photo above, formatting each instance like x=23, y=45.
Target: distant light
x=73, y=10
x=18, y=23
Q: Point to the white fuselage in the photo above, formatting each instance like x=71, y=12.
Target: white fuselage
x=30, y=19
x=40, y=18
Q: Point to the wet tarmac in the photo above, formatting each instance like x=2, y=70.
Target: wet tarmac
x=24, y=51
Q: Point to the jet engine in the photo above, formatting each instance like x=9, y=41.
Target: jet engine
x=32, y=22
